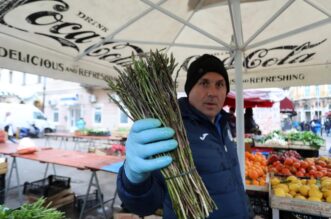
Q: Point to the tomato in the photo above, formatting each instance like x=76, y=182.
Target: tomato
x=318, y=174
x=279, y=168
x=276, y=163
x=311, y=167
x=296, y=164
x=318, y=167
x=286, y=171
x=321, y=163
x=312, y=172
x=302, y=170
x=293, y=169
x=288, y=161
x=304, y=164
x=299, y=174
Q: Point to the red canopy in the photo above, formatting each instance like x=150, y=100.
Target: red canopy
x=250, y=101
x=286, y=106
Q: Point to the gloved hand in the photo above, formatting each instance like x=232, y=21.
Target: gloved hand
x=146, y=139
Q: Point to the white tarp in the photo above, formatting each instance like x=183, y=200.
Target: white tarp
x=284, y=42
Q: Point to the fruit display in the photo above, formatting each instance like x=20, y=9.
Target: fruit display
x=289, y=164
x=306, y=196
x=255, y=169
x=305, y=189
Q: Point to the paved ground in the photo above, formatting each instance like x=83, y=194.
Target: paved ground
x=32, y=170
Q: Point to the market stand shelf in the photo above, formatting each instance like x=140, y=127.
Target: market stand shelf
x=304, y=150
x=322, y=209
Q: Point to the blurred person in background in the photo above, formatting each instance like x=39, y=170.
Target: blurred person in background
x=8, y=127
x=80, y=124
x=316, y=125
x=250, y=125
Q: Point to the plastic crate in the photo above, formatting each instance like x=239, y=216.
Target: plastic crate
x=2, y=188
x=260, y=204
x=295, y=215
x=47, y=187
x=91, y=201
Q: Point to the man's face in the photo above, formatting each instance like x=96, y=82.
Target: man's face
x=208, y=94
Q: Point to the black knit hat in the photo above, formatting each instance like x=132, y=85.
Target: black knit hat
x=202, y=65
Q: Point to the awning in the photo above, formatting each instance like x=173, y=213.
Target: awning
x=256, y=97
x=286, y=106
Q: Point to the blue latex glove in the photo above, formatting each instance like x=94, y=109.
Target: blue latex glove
x=146, y=139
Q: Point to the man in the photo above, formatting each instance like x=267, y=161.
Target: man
x=8, y=122
x=142, y=188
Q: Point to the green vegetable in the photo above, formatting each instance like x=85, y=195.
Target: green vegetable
x=36, y=210
x=307, y=137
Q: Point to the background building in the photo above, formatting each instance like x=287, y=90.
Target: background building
x=311, y=101
x=63, y=102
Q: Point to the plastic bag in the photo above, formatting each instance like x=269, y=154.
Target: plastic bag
x=26, y=146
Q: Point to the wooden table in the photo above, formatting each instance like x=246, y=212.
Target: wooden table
x=75, y=159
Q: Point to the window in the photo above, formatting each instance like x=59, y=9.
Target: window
x=56, y=115
x=123, y=118
x=317, y=91
x=97, y=115
x=307, y=91
x=329, y=89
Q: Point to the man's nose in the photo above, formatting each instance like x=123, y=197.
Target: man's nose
x=212, y=91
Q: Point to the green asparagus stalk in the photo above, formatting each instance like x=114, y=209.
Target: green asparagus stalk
x=146, y=90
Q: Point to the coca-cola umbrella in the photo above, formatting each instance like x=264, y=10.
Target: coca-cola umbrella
x=82, y=41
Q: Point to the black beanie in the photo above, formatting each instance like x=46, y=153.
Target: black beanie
x=202, y=65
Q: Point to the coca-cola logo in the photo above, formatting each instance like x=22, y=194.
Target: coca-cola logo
x=50, y=21
x=290, y=54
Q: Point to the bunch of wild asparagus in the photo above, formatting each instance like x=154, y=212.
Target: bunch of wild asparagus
x=147, y=90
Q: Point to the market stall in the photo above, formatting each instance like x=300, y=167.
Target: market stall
x=263, y=43
x=279, y=166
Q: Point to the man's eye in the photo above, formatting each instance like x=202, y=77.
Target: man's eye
x=219, y=84
x=204, y=83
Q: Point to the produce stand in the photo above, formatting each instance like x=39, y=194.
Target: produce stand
x=289, y=207
x=303, y=207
